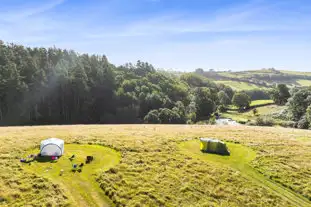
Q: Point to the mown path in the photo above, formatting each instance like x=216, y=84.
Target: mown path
x=239, y=160
x=81, y=188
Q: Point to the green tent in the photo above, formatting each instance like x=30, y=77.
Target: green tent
x=210, y=145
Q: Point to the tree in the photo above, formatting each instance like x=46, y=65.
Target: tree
x=298, y=103
x=204, y=103
x=199, y=71
x=223, y=98
x=241, y=100
x=152, y=117
x=280, y=94
x=168, y=116
x=308, y=115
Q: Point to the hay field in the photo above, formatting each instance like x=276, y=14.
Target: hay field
x=154, y=171
x=239, y=86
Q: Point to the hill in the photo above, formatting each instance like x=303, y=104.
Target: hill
x=258, y=79
x=160, y=165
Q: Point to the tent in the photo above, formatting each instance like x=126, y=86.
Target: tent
x=213, y=146
x=52, y=147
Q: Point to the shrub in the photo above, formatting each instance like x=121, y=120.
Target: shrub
x=283, y=115
x=264, y=121
x=303, y=123
x=288, y=124
x=222, y=108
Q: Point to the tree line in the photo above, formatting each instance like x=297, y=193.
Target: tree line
x=56, y=86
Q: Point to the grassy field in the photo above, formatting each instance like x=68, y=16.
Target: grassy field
x=81, y=186
x=296, y=72
x=245, y=116
x=240, y=158
x=304, y=82
x=239, y=86
x=261, y=102
x=155, y=170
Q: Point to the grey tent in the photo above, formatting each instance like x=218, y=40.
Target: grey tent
x=52, y=147
x=211, y=145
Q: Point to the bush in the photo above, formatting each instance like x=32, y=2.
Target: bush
x=288, y=124
x=212, y=120
x=222, y=108
x=303, y=123
x=283, y=115
x=264, y=121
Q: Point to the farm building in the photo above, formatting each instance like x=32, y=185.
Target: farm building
x=52, y=147
x=210, y=145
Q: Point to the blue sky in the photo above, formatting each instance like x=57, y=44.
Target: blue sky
x=171, y=34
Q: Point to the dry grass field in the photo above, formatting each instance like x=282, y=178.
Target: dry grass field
x=155, y=171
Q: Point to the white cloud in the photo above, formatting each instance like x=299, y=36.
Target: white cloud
x=25, y=11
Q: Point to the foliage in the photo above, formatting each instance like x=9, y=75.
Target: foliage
x=222, y=108
x=205, y=101
x=280, y=94
x=264, y=121
x=303, y=123
x=241, y=100
x=298, y=103
x=54, y=86
x=223, y=98
x=308, y=114
x=152, y=117
x=258, y=94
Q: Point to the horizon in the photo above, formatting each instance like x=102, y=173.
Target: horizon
x=172, y=35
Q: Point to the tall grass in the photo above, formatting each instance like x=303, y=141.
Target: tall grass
x=154, y=172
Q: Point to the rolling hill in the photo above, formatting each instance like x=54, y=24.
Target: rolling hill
x=258, y=79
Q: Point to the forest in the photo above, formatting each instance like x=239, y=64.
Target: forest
x=55, y=86
x=40, y=86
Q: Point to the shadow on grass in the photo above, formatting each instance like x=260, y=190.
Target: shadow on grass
x=44, y=159
x=223, y=154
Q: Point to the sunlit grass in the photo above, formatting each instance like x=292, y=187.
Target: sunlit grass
x=81, y=185
x=304, y=82
x=261, y=102
x=153, y=171
x=239, y=86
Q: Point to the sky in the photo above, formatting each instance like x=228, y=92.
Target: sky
x=171, y=34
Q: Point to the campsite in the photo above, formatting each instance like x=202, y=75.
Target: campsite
x=155, y=103
x=158, y=165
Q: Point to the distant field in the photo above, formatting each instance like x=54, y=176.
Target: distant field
x=244, y=117
x=239, y=86
x=304, y=82
x=261, y=102
x=296, y=72
x=155, y=170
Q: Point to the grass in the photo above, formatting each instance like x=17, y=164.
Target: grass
x=239, y=86
x=82, y=188
x=240, y=158
x=154, y=171
x=261, y=102
x=296, y=72
x=304, y=82
x=246, y=116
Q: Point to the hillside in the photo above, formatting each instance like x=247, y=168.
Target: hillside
x=258, y=79
x=160, y=165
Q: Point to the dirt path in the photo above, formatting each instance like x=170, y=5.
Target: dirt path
x=81, y=188
x=239, y=159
